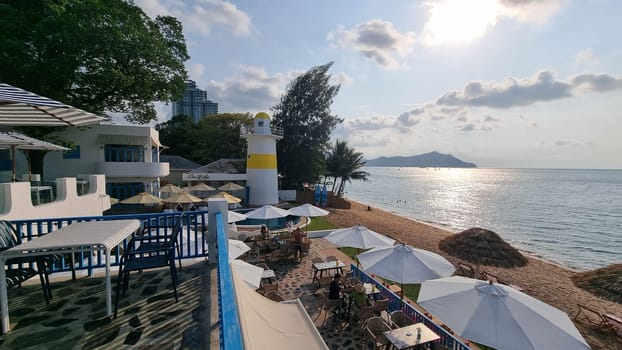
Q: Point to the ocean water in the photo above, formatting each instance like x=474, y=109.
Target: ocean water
x=571, y=217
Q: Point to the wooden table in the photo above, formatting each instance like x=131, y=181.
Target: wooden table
x=80, y=236
x=406, y=337
x=327, y=265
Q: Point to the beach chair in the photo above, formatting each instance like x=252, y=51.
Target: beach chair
x=136, y=259
x=375, y=329
x=17, y=275
x=381, y=306
x=616, y=323
x=148, y=243
x=399, y=319
x=593, y=318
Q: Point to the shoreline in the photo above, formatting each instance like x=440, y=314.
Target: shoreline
x=533, y=255
x=540, y=278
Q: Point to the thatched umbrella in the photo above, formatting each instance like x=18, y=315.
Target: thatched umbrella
x=482, y=247
x=605, y=282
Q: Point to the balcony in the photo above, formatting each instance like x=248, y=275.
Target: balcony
x=132, y=169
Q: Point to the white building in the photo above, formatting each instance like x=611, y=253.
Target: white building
x=127, y=155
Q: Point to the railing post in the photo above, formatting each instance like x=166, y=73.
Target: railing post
x=215, y=205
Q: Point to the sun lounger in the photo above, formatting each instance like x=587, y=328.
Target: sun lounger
x=465, y=270
x=487, y=276
x=593, y=318
x=615, y=321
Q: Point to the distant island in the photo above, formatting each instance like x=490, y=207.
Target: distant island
x=432, y=159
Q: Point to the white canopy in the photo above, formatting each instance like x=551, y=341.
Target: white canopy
x=237, y=248
x=267, y=324
x=267, y=212
x=359, y=237
x=251, y=274
x=308, y=210
x=405, y=264
x=21, y=107
x=498, y=315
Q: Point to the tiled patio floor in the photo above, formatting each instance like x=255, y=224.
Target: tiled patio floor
x=148, y=315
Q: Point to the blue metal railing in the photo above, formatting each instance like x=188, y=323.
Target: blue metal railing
x=395, y=303
x=230, y=330
x=191, y=240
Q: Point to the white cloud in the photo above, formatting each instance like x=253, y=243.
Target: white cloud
x=342, y=79
x=377, y=40
x=195, y=70
x=514, y=92
x=252, y=89
x=585, y=56
x=202, y=15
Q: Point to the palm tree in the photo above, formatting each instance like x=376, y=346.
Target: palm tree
x=343, y=163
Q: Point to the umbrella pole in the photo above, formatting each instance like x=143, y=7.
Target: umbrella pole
x=402, y=296
x=13, y=156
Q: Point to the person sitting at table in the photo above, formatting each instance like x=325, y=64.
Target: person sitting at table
x=298, y=237
x=334, y=289
x=358, y=296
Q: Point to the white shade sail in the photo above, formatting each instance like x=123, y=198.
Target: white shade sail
x=359, y=237
x=498, y=316
x=267, y=324
x=308, y=210
x=235, y=217
x=21, y=107
x=405, y=264
x=251, y=274
x=237, y=248
x=267, y=212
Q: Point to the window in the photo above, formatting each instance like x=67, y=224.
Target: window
x=120, y=153
x=73, y=153
x=124, y=190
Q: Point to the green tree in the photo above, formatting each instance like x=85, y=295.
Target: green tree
x=343, y=164
x=98, y=55
x=213, y=137
x=304, y=115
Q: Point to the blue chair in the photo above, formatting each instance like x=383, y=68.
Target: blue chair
x=149, y=243
x=24, y=271
x=148, y=255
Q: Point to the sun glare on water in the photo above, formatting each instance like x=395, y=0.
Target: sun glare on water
x=460, y=21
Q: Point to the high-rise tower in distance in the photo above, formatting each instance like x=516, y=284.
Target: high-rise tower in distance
x=194, y=103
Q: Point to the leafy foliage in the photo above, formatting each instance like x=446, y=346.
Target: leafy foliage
x=98, y=55
x=214, y=137
x=304, y=115
x=343, y=164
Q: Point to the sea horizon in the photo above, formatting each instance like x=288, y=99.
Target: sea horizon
x=569, y=217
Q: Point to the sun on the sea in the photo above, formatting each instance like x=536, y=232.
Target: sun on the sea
x=460, y=21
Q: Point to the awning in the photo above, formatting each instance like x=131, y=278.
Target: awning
x=21, y=107
x=267, y=324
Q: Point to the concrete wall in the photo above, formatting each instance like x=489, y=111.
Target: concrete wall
x=15, y=202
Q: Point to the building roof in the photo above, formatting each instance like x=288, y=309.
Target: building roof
x=222, y=166
x=178, y=162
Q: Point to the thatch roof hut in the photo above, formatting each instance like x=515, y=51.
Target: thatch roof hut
x=482, y=247
x=605, y=282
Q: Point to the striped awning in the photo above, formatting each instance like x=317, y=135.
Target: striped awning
x=21, y=107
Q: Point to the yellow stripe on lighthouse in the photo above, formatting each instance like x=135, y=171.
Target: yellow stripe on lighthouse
x=261, y=161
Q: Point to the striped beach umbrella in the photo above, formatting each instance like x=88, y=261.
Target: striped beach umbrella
x=21, y=107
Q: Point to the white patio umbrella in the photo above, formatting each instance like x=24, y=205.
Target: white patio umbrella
x=21, y=107
x=359, y=237
x=405, y=264
x=267, y=212
x=237, y=248
x=235, y=217
x=308, y=210
x=251, y=274
x=15, y=140
x=230, y=186
x=498, y=316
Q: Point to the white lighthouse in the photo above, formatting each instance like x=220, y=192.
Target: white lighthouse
x=261, y=169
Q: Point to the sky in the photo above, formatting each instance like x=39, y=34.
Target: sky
x=501, y=83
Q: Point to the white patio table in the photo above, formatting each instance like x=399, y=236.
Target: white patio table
x=80, y=236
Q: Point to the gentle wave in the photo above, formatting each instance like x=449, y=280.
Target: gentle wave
x=571, y=217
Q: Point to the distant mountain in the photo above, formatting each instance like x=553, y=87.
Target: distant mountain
x=432, y=159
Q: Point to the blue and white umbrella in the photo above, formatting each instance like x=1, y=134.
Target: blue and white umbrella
x=21, y=107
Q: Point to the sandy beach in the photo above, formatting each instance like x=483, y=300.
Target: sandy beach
x=541, y=279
